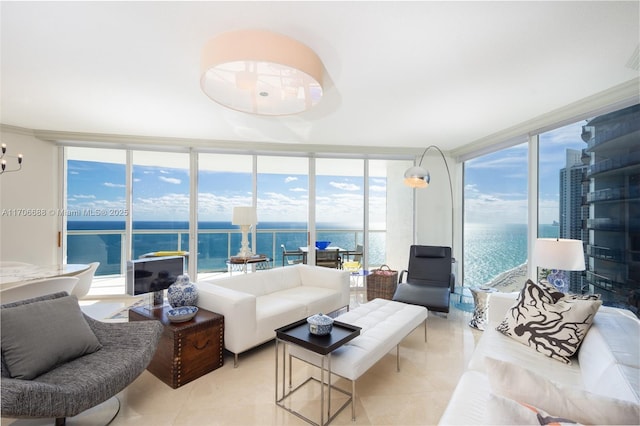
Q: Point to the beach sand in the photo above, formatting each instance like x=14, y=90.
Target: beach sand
x=511, y=280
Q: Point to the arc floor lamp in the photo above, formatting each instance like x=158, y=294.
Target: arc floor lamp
x=418, y=177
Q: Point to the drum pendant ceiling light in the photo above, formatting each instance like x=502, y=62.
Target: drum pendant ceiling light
x=261, y=72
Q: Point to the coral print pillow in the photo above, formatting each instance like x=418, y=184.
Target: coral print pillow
x=552, y=324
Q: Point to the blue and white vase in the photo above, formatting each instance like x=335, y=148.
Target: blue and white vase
x=183, y=292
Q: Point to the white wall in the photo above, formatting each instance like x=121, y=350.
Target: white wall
x=433, y=204
x=28, y=229
x=399, y=216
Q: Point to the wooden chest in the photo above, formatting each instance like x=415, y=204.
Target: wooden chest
x=186, y=350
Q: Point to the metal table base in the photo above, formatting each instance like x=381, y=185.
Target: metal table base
x=280, y=400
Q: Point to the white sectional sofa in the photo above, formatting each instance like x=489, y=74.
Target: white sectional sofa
x=255, y=304
x=600, y=386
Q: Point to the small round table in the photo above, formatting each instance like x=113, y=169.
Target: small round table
x=481, y=301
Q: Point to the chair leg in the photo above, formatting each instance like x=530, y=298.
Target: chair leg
x=61, y=421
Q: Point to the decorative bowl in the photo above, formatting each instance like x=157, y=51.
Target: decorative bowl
x=320, y=324
x=182, y=314
x=321, y=245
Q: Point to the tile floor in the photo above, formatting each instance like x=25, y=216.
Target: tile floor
x=417, y=395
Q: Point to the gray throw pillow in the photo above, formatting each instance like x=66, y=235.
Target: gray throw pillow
x=39, y=336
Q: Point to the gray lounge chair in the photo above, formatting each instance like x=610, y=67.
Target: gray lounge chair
x=429, y=280
x=82, y=383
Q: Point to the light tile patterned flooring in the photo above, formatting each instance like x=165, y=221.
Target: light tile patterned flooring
x=417, y=395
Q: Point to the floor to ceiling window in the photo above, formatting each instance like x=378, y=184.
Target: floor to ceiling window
x=340, y=202
x=590, y=191
x=224, y=181
x=283, y=205
x=160, y=202
x=96, y=207
x=562, y=186
x=495, y=215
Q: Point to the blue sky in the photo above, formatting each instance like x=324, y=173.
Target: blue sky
x=495, y=189
x=496, y=185
x=162, y=193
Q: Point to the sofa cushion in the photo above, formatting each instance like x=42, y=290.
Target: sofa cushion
x=496, y=345
x=525, y=386
x=610, y=355
x=38, y=336
x=316, y=299
x=504, y=411
x=552, y=327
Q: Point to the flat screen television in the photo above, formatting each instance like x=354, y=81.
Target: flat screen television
x=153, y=274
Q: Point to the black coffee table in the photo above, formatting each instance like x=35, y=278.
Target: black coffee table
x=298, y=334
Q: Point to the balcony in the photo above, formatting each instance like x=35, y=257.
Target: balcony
x=606, y=253
x=614, y=164
x=608, y=194
x=215, y=246
x=606, y=133
x=606, y=224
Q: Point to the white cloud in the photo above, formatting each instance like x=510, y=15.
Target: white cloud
x=345, y=186
x=298, y=189
x=174, y=181
x=84, y=197
x=114, y=185
x=378, y=188
x=290, y=179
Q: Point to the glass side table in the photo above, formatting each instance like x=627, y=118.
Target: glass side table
x=481, y=302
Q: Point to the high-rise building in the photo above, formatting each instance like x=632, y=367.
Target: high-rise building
x=573, y=213
x=613, y=252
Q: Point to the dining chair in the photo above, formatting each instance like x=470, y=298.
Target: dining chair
x=85, y=279
x=37, y=288
x=291, y=257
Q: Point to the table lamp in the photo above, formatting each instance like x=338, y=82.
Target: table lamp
x=245, y=217
x=559, y=255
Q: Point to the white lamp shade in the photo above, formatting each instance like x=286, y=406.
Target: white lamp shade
x=261, y=72
x=561, y=254
x=244, y=216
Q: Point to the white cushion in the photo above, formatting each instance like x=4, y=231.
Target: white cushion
x=525, y=386
x=384, y=324
x=610, y=356
x=469, y=401
x=507, y=412
x=496, y=345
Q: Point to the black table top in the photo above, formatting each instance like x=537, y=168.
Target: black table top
x=298, y=333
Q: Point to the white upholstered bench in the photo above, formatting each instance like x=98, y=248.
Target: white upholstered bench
x=384, y=324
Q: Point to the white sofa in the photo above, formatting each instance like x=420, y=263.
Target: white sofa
x=607, y=364
x=256, y=304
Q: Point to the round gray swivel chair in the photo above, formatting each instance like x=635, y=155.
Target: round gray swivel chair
x=82, y=383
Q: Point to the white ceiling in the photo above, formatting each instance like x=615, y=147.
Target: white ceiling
x=398, y=74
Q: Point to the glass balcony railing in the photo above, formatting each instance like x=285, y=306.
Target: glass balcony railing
x=215, y=246
x=605, y=253
x=606, y=195
x=614, y=163
x=606, y=133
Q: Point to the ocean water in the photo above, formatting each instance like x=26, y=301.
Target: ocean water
x=102, y=241
x=489, y=250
